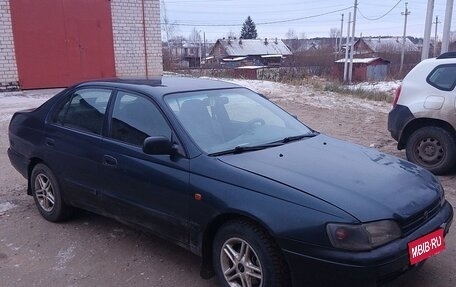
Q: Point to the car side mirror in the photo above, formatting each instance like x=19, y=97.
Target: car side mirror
x=158, y=145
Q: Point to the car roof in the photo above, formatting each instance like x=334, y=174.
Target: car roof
x=158, y=86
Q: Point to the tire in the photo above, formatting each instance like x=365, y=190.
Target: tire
x=433, y=148
x=262, y=262
x=47, y=194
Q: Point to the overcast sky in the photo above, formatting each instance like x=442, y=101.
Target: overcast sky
x=315, y=17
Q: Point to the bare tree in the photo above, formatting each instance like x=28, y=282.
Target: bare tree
x=292, y=40
x=231, y=34
x=452, y=46
x=194, y=37
x=167, y=27
x=196, y=41
x=334, y=33
x=453, y=36
x=291, y=34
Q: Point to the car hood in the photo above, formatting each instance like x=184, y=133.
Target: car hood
x=368, y=184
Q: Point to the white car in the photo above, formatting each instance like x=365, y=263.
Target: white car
x=423, y=118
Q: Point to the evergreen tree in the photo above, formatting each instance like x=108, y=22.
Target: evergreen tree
x=249, y=29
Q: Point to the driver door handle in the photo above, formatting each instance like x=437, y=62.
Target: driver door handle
x=109, y=161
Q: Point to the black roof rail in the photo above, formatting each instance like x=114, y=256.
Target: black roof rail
x=447, y=55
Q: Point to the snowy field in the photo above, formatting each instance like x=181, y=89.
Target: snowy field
x=283, y=93
x=388, y=87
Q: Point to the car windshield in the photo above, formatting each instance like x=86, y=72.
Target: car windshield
x=226, y=119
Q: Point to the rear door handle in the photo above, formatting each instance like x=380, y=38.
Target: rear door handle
x=49, y=142
x=109, y=161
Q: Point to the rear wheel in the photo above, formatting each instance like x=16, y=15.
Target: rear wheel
x=433, y=148
x=244, y=255
x=47, y=194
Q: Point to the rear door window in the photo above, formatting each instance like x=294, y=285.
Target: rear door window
x=84, y=110
x=443, y=77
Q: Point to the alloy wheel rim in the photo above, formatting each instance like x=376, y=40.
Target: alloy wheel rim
x=240, y=264
x=44, y=192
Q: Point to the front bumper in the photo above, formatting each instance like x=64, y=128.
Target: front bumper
x=318, y=266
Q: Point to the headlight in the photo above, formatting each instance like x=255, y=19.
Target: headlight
x=359, y=237
x=442, y=196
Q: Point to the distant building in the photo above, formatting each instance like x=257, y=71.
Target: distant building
x=367, y=69
x=308, y=45
x=184, y=54
x=376, y=45
x=232, y=53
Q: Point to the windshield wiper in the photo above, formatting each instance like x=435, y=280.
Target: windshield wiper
x=243, y=148
x=298, y=137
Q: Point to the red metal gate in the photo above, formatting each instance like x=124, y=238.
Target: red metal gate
x=61, y=42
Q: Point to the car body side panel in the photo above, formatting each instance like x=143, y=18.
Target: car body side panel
x=26, y=139
x=415, y=90
x=76, y=159
x=285, y=211
x=149, y=190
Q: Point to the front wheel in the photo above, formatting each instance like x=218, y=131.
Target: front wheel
x=47, y=194
x=244, y=255
x=433, y=148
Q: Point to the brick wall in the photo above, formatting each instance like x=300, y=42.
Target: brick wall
x=128, y=33
x=8, y=69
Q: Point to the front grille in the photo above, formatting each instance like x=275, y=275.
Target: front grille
x=415, y=221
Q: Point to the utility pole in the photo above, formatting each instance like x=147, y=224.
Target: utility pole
x=435, y=37
x=346, y=47
x=341, y=31
x=447, y=26
x=427, y=30
x=204, y=47
x=405, y=13
x=352, y=44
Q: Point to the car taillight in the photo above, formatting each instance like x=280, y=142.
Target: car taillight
x=396, y=95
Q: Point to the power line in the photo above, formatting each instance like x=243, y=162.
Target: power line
x=378, y=18
x=259, y=23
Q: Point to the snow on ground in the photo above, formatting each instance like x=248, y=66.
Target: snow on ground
x=11, y=102
x=5, y=206
x=279, y=92
x=388, y=87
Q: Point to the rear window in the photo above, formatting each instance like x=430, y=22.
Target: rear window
x=84, y=110
x=443, y=77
